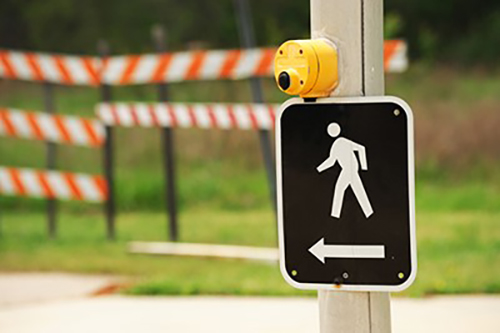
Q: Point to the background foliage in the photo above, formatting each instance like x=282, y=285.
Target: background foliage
x=451, y=31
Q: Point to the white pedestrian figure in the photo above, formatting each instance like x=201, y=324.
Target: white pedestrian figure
x=342, y=151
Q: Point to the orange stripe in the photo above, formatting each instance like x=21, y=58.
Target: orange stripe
x=35, y=67
x=211, y=115
x=114, y=114
x=232, y=58
x=192, y=116
x=4, y=117
x=131, y=64
x=95, y=140
x=266, y=61
x=42, y=177
x=102, y=186
x=62, y=129
x=390, y=47
x=270, y=108
x=90, y=66
x=253, y=118
x=173, y=118
x=14, y=175
x=197, y=62
x=151, y=109
x=164, y=63
x=70, y=180
x=61, y=66
x=7, y=66
x=33, y=121
x=133, y=114
x=232, y=117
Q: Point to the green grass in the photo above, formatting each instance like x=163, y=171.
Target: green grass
x=223, y=194
x=458, y=251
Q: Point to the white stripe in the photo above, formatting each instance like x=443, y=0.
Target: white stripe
x=48, y=127
x=398, y=62
x=114, y=69
x=182, y=115
x=145, y=68
x=76, y=69
x=105, y=114
x=6, y=183
x=178, y=66
x=48, y=67
x=31, y=183
x=145, y=119
x=262, y=116
x=212, y=64
x=20, y=123
x=242, y=116
x=221, y=113
x=21, y=66
x=58, y=185
x=124, y=113
x=87, y=188
x=76, y=131
x=98, y=128
x=201, y=115
x=163, y=115
x=247, y=63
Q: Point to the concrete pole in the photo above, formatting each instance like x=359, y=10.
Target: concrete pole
x=356, y=27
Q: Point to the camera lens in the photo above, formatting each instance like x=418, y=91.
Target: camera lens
x=284, y=80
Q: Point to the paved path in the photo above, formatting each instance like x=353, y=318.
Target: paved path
x=23, y=288
x=69, y=313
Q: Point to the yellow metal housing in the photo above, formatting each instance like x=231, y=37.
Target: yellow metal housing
x=306, y=67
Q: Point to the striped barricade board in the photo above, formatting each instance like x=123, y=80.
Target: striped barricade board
x=52, y=184
x=55, y=68
x=194, y=65
x=182, y=115
x=54, y=128
x=154, y=68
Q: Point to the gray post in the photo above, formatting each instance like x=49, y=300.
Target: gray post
x=247, y=38
x=48, y=100
x=104, y=51
x=356, y=27
x=167, y=142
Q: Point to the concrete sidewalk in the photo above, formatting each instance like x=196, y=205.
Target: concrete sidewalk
x=215, y=314
x=27, y=288
x=71, y=309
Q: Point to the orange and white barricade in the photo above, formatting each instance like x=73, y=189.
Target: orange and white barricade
x=55, y=68
x=52, y=184
x=193, y=115
x=55, y=128
x=155, y=68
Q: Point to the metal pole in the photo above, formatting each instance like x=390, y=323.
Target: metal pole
x=104, y=51
x=48, y=100
x=167, y=142
x=247, y=38
x=356, y=27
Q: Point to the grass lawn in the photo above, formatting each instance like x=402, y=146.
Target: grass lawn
x=223, y=195
x=458, y=251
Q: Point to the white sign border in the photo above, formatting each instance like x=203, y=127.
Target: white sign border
x=411, y=188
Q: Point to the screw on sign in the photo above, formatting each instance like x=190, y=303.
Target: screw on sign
x=346, y=193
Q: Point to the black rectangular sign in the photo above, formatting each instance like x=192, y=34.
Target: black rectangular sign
x=346, y=193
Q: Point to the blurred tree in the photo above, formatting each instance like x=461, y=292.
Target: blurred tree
x=448, y=30
x=452, y=30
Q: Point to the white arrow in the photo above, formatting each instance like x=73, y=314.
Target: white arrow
x=322, y=251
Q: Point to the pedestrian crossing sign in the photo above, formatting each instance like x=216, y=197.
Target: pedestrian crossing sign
x=346, y=213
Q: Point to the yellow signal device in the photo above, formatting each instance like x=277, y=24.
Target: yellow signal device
x=308, y=68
